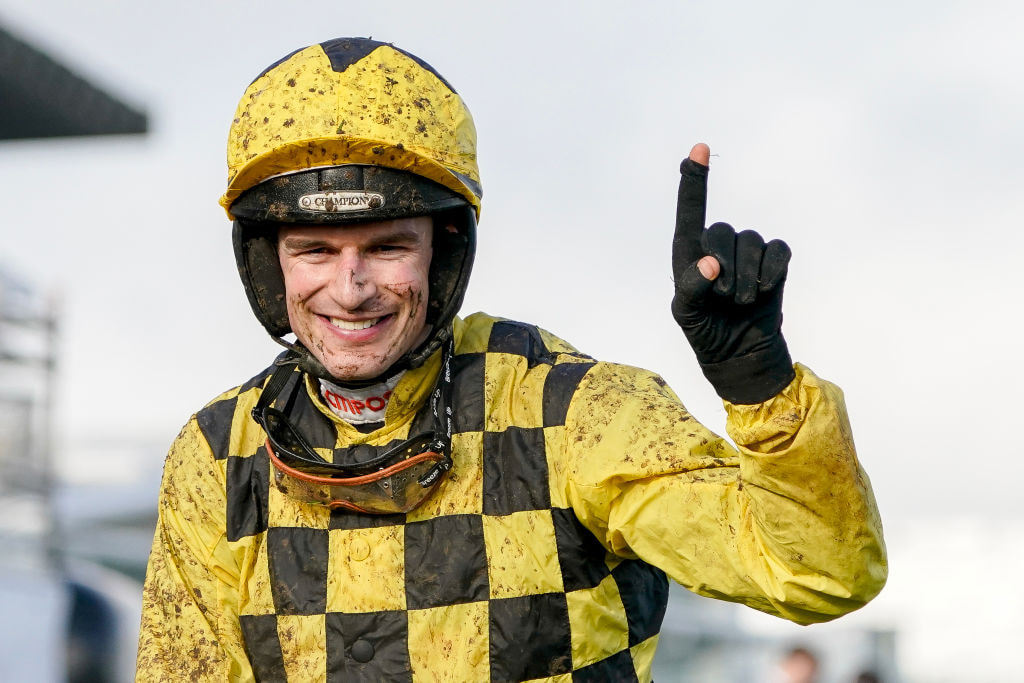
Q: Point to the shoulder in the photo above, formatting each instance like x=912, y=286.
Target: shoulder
x=483, y=333
x=537, y=368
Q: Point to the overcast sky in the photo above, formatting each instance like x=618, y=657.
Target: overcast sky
x=882, y=140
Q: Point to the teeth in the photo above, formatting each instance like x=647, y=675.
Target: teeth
x=354, y=325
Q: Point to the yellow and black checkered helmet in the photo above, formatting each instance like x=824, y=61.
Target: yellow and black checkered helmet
x=346, y=131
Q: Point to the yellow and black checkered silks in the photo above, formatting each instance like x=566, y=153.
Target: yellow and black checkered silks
x=576, y=487
x=352, y=101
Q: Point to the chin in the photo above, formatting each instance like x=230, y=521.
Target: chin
x=346, y=363
x=357, y=371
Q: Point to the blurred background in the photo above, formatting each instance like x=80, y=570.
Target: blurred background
x=882, y=140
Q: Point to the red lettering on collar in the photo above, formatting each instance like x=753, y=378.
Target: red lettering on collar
x=374, y=404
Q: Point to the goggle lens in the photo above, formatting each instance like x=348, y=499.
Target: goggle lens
x=397, y=488
x=394, y=481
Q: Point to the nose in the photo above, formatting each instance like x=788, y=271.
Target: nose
x=353, y=283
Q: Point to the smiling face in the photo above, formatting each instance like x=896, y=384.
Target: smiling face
x=357, y=294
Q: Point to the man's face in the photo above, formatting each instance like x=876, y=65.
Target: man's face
x=357, y=294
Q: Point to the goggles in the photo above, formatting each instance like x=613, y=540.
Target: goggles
x=396, y=480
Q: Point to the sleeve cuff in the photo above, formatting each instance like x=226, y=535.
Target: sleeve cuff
x=754, y=377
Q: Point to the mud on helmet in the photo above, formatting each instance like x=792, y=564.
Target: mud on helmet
x=347, y=131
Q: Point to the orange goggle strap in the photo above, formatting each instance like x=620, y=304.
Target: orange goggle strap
x=429, y=481
x=355, y=481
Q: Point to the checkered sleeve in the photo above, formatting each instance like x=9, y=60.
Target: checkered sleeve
x=785, y=523
x=190, y=629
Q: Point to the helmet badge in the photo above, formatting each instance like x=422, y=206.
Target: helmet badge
x=341, y=201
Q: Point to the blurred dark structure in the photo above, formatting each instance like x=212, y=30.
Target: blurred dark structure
x=41, y=98
x=69, y=619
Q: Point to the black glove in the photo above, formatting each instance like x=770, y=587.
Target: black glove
x=733, y=323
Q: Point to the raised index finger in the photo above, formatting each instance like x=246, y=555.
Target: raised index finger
x=691, y=207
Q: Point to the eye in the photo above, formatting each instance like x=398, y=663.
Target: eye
x=388, y=249
x=304, y=250
x=311, y=254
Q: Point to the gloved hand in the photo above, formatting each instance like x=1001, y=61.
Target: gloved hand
x=728, y=297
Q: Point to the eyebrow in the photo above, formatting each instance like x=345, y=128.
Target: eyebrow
x=398, y=236
x=293, y=243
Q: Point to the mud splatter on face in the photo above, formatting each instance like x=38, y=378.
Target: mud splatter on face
x=357, y=295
